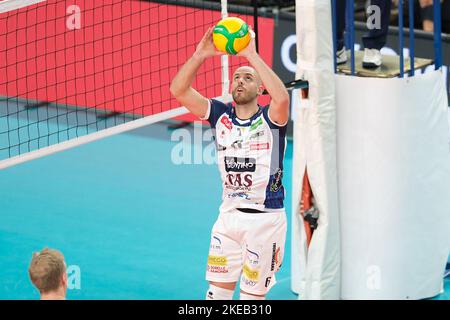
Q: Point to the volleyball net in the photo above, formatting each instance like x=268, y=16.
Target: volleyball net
x=76, y=71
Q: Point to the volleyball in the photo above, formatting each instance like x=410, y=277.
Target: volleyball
x=231, y=35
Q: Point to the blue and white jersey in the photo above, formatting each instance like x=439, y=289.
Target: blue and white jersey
x=250, y=156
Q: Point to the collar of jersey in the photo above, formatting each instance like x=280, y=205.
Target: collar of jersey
x=233, y=117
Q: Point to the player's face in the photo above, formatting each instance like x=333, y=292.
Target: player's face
x=245, y=86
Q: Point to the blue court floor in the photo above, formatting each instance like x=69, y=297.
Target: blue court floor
x=136, y=225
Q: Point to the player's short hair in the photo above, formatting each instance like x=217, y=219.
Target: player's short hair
x=46, y=269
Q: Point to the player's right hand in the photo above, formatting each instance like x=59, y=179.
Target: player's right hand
x=206, y=48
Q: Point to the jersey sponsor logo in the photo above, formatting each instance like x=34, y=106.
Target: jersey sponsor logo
x=226, y=122
x=238, y=181
x=216, y=244
x=256, y=135
x=256, y=124
x=252, y=258
x=241, y=131
x=217, y=269
x=276, y=183
x=243, y=195
x=237, y=144
x=236, y=164
x=259, y=146
x=217, y=261
x=248, y=282
x=275, y=257
x=249, y=273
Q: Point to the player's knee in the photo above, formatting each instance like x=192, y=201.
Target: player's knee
x=224, y=285
x=220, y=291
x=249, y=296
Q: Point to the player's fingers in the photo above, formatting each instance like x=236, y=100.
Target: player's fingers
x=209, y=36
x=252, y=33
x=207, y=33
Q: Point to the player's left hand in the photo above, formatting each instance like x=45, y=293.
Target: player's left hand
x=250, y=49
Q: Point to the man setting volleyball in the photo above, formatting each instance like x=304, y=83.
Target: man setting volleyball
x=247, y=240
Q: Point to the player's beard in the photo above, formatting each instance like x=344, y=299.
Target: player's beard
x=244, y=97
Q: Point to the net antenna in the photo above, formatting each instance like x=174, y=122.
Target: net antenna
x=72, y=74
x=224, y=60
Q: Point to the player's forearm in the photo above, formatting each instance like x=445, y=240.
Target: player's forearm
x=274, y=86
x=186, y=75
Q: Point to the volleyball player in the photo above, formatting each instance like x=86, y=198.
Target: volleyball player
x=247, y=240
x=48, y=274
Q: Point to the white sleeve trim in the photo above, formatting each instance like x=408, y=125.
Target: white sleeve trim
x=208, y=111
x=273, y=122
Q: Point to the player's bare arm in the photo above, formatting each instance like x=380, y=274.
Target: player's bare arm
x=181, y=86
x=279, y=105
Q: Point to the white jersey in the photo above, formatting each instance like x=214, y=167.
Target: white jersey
x=250, y=156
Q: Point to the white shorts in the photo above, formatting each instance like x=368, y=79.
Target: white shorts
x=249, y=246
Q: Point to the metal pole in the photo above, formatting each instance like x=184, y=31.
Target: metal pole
x=400, y=36
x=224, y=59
x=255, y=22
x=334, y=26
x=350, y=28
x=437, y=34
x=411, y=36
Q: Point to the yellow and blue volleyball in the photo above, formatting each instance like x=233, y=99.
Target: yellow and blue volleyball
x=231, y=35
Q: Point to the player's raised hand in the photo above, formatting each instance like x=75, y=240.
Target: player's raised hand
x=206, y=47
x=250, y=49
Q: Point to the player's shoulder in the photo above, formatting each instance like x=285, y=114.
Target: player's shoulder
x=216, y=109
x=272, y=124
x=220, y=106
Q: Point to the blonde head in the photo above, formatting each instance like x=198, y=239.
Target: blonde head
x=47, y=270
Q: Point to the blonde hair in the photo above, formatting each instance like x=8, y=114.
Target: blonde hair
x=46, y=269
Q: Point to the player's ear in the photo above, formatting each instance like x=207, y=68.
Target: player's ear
x=64, y=280
x=260, y=90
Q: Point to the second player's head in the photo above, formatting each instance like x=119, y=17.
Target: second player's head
x=246, y=85
x=48, y=272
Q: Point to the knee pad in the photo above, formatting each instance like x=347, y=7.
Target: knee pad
x=217, y=293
